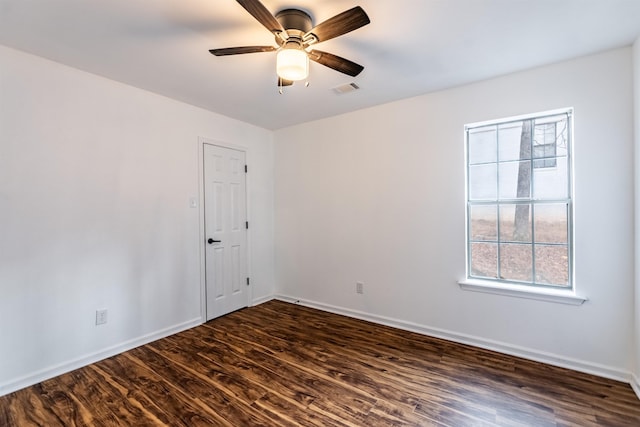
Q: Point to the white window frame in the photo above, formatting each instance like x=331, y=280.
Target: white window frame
x=560, y=294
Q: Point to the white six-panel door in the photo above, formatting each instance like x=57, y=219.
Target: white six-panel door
x=225, y=230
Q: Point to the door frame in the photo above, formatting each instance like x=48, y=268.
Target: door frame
x=202, y=141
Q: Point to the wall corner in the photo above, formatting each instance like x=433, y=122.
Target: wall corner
x=636, y=146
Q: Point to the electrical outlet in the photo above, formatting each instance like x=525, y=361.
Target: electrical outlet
x=359, y=288
x=101, y=317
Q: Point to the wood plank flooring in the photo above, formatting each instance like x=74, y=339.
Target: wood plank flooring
x=281, y=364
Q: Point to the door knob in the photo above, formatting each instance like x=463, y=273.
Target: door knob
x=211, y=241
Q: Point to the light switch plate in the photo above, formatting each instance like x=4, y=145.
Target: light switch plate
x=101, y=317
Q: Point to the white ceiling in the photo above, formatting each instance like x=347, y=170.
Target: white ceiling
x=410, y=48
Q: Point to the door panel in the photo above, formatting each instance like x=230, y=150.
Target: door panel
x=225, y=231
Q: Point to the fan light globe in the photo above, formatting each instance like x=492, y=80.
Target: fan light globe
x=292, y=63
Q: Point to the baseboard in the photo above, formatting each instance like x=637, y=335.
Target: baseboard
x=261, y=300
x=635, y=384
x=526, y=353
x=53, y=371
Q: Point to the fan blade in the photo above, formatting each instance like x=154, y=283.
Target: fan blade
x=262, y=15
x=337, y=63
x=282, y=82
x=340, y=24
x=240, y=50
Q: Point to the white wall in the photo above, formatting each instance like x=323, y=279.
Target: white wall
x=95, y=182
x=378, y=196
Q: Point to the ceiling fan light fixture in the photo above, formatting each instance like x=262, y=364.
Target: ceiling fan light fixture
x=292, y=62
x=295, y=33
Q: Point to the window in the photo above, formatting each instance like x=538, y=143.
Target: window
x=544, y=145
x=519, y=201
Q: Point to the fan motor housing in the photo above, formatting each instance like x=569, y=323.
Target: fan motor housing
x=295, y=21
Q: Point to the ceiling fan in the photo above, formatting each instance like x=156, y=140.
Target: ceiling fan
x=295, y=34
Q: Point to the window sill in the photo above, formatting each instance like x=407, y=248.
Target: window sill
x=522, y=291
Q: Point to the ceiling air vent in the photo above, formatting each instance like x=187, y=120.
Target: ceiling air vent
x=350, y=87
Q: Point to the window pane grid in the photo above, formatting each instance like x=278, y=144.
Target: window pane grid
x=517, y=161
x=498, y=246
x=515, y=242
x=522, y=255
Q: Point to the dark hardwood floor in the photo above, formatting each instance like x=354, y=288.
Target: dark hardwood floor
x=280, y=364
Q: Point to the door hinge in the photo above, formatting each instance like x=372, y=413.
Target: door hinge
x=246, y=168
x=246, y=224
x=248, y=281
